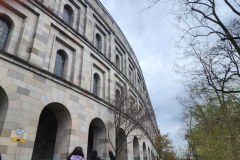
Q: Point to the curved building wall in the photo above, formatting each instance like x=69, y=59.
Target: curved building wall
x=61, y=62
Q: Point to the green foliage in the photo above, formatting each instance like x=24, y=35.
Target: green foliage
x=163, y=146
x=214, y=132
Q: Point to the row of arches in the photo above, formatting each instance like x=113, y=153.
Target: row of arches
x=53, y=137
x=147, y=155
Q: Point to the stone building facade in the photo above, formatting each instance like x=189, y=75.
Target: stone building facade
x=61, y=62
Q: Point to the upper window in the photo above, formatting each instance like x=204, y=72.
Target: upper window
x=118, y=62
x=118, y=100
x=59, y=64
x=67, y=14
x=130, y=75
x=96, y=84
x=117, y=95
x=98, y=43
x=4, y=31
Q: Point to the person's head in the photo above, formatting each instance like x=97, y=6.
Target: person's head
x=109, y=149
x=78, y=151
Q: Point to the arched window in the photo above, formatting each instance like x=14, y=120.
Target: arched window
x=136, y=151
x=97, y=133
x=98, y=42
x=96, y=84
x=67, y=14
x=149, y=156
x=121, y=142
x=117, y=62
x=152, y=155
x=59, y=63
x=3, y=107
x=4, y=31
x=144, y=151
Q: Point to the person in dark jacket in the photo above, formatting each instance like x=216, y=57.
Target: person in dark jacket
x=0, y=157
x=77, y=154
x=112, y=157
x=94, y=155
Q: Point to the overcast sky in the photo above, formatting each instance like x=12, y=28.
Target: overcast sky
x=152, y=36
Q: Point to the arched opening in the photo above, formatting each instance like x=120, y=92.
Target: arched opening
x=152, y=155
x=96, y=84
x=121, y=145
x=136, y=152
x=98, y=43
x=118, y=62
x=97, y=138
x=149, y=155
x=59, y=63
x=52, y=138
x=144, y=151
x=5, y=27
x=67, y=14
x=3, y=108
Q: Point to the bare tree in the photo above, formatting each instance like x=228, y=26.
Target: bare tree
x=210, y=39
x=129, y=116
x=211, y=51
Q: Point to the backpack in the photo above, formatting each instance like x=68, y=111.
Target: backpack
x=76, y=157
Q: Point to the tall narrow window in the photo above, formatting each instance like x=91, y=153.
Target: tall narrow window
x=139, y=85
x=117, y=97
x=4, y=31
x=96, y=84
x=67, y=14
x=130, y=75
x=98, y=43
x=118, y=62
x=59, y=64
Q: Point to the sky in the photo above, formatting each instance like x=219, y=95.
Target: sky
x=152, y=36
